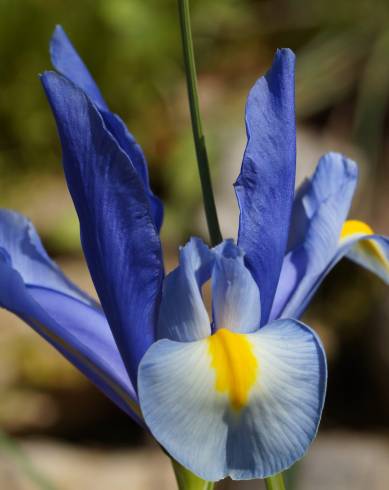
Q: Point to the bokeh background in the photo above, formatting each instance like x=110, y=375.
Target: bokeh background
x=57, y=431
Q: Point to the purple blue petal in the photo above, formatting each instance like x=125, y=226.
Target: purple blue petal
x=265, y=186
x=34, y=288
x=118, y=235
x=66, y=61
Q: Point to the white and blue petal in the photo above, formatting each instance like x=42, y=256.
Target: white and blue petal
x=182, y=314
x=320, y=209
x=118, y=234
x=236, y=301
x=265, y=186
x=238, y=405
x=34, y=288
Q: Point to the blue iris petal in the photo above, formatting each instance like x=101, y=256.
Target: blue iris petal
x=183, y=315
x=34, y=288
x=134, y=151
x=265, y=186
x=195, y=423
x=356, y=251
x=66, y=61
x=22, y=247
x=320, y=209
x=119, y=239
x=235, y=296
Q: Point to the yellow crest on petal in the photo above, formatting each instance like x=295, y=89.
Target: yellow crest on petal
x=355, y=227
x=235, y=365
x=368, y=247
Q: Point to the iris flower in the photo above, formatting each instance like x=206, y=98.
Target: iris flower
x=239, y=394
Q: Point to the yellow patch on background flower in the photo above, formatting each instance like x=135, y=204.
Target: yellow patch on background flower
x=235, y=365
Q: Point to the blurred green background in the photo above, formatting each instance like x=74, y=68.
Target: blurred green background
x=133, y=50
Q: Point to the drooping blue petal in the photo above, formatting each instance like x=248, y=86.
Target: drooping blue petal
x=370, y=251
x=235, y=296
x=66, y=61
x=119, y=239
x=34, y=288
x=192, y=400
x=265, y=186
x=183, y=315
x=319, y=212
x=22, y=245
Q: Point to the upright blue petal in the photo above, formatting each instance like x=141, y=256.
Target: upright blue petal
x=66, y=61
x=120, y=241
x=183, y=315
x=320, y=209
x=134, y=152
x=323, y=201
x=265, y=186
x=34, y=288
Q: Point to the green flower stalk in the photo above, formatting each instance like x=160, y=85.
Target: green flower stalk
x=186, y=480
x=199, y=139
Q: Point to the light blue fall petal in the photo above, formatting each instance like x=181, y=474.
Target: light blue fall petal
x=236, y=302
x=119, y=238
x=196, y=423
x=265, y=186
x=66, y=61
x=75, y=327
x=319, y=211
x=183, y=315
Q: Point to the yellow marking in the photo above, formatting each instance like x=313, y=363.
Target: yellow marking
x=355, y=227
x=235, y=365
x=365, y=246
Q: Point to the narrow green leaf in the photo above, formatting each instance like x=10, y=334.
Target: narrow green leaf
x=9, y=447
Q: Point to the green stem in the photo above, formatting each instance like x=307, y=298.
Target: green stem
x=199, y=139
x=275, y=482
x=188, y=481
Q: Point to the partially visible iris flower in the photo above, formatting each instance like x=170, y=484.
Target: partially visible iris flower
x=239, y=394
